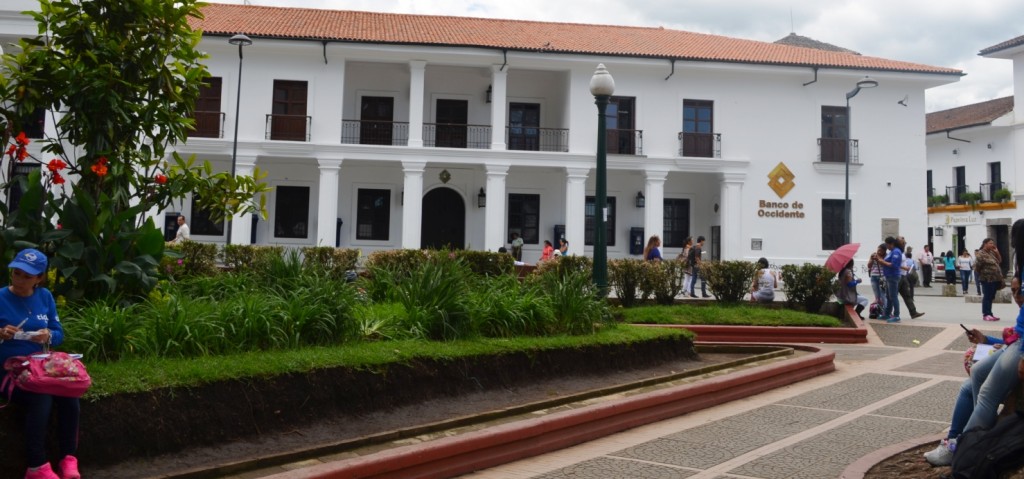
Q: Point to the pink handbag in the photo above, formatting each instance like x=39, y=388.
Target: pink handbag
x=56, y=374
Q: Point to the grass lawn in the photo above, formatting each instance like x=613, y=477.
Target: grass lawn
x=738, y=315
x=137, y=375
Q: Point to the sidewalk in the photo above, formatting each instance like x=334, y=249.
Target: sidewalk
x=899, y=387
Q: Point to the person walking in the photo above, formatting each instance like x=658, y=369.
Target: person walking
x=965, y=264
x=695, y=260
x=517, y=247
x=908, y=276
x=926, y=260
x=684, y=257
x=990, y=275
x=653, y=250
x=183, y=233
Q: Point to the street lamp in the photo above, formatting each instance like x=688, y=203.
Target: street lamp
x=867, y=82
x=602, y=85
x=242, y=41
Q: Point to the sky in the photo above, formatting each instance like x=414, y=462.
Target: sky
x=945, y=33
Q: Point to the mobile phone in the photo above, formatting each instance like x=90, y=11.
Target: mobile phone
x=965, y=329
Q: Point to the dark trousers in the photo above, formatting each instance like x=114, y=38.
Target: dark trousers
x=988, y=289
x=695, y=273
x=926, y=275
x=950, y=276
x=907, y=293
x=37, y=409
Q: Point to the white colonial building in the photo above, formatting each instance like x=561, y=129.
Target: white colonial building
x=383, y=131
x=973, y=174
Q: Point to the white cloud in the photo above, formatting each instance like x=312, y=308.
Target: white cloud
x=947, y=33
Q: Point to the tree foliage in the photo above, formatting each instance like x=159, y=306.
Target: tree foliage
x=119, y=79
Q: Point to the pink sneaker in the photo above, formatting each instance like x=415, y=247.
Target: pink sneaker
x=42, y=472
x=69, y=468
x=990, y=318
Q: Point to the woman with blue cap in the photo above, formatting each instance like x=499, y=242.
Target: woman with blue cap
x=29, y=325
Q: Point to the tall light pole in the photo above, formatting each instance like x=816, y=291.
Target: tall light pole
x=242, y=41
x=867, y=82
x=602, y=85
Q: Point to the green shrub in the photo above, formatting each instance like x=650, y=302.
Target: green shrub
x=103, y=330
x=488, y=263
x=333, y=262
x=624, y=278
x=379, y=321
x=728, y=280
x=433, y=295
x=807, y=286
x=664, y=279
x=504, y=307
x=564, y=265
x=574, y=301
x=398, y=261
x=252, y=258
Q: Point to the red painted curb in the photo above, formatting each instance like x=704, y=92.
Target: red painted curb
x=447, y=457
x=778, y=334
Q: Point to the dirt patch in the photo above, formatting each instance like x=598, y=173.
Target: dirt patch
x=910, y=464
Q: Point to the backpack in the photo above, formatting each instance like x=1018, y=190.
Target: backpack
x=875, y=310
x=56, y=374
x=985, y=453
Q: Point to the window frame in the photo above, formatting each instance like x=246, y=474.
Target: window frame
x=675, y=237
x=833, y=216
x=373, y=222
x=525, y=223
x=278, y=210
x=589, y=218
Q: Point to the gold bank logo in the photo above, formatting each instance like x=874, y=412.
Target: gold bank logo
x=780, y=180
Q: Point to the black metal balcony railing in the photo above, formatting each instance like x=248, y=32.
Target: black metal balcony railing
x=700, y=145
x=451, y=135
x=373, y=132
x=532, y=138
x=625, y=142
x=953, y=194
x=988, y=190
x=835, y=150
x=209, y=124
x=288, y=127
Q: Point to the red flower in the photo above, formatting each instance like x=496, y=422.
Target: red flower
x=161, y=179
x=12, y=149
x=56, y=165
x=57, y=178
x=100, y=168
x=22, y=153
x=21, y=139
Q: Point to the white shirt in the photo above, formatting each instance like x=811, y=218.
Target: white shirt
x=183, y=233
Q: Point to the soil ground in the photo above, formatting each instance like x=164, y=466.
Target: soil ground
x=910, y=464
x=336, y=429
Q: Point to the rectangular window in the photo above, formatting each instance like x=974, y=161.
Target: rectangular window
x=835, y=133
x=373, y=215
x=207, y=114
x=34, y=125
x=288, y=121
x=833, y=221
x=619, y=120
x=376, y=125
x=930, y=187
x=590, y=209
x=676, y=222
x=959, y=184
x=291, y=212
x=201, y=223
x=19, y=173
x=452, y=118
x=698, y=128
x=523, y=126
x=524, y=217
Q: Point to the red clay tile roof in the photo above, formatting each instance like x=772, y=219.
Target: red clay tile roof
x=516, y=35
x=802, y=41
x=966, y=116
x=1013, y=42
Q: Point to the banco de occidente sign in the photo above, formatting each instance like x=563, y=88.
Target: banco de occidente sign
x=780, y=180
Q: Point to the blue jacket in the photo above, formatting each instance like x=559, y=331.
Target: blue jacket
x=895, y=257
x=36, y=312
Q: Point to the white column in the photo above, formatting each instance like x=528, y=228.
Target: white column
x=499, y=81
x=654, y=209
x=417, y=80
x=412, y=209
x=494, y=216
x=325, y=126
x=241, y=225
x=731, y=214
x=327, y=204
x=575, y=208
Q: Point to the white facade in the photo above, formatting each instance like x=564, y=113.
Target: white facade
x=766, y=115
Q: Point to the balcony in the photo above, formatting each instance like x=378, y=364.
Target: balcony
x=700, y=145
x=209, y=124
x=835, y=150
x=288, y=127
x=625, y=142
x=451, y=135
x=369, y=132
x=537, y=139
x=989, y=191
x=954, y=194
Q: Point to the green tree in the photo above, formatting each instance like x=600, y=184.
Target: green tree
x=120, y=79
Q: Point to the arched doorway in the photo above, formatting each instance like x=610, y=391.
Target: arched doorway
x=444, y=220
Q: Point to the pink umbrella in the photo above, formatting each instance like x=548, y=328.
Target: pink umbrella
x=842, y=255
